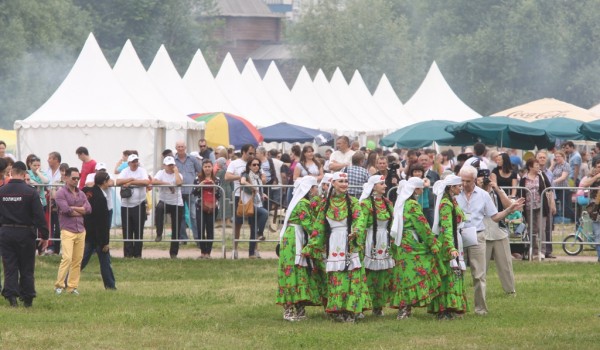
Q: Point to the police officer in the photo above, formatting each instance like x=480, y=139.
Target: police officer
x=20, y=214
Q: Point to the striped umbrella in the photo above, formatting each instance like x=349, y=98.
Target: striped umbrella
x=224, y=129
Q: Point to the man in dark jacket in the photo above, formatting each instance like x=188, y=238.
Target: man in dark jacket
x=20, y=214
x=97, y=226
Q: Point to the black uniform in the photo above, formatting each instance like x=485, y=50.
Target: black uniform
x=21, y=213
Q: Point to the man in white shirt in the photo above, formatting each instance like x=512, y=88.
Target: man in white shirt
x=234, y=174
x=343, y=156
x=169, y=202
x=133, y=209
x=476, y=203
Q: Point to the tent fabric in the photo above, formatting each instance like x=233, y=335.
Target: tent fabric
x=595, y=110
x=386, y=98
x=91, y=108
x=547, y=108
x=284, y=132
x=560, y=128
x=424, y=134
x=434, y=99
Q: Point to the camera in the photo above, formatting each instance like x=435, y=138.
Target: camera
x=393, y=167
x=485, y=173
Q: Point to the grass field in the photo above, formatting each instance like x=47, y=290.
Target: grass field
x=216, y=304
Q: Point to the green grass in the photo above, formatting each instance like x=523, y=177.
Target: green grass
x=175, y=304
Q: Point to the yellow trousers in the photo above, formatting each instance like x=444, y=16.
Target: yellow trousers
x=72, y=245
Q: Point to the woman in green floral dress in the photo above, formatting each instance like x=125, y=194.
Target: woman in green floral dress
x=297, y=287
x=416, y=280
x=338, y=233
x=448, y=218
x=378, y=262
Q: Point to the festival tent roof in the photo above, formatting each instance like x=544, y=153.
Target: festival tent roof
x=230, y=82
x=91, y=108
x=131, y=74
x=595, y=110
x=434, y=99
x=202, y=86
x=547, y=108
x=344, y=116
x=386, y=98
x=363, y=96
x=253, y=82
x=163, y=74
x=305, y=93
x=278, y=90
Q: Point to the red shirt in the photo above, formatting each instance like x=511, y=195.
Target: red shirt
x=88, y=167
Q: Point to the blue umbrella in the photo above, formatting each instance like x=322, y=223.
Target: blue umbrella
x=423, y=134
x=285, y=132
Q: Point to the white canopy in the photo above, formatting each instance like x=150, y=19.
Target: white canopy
x=92, y=109
x=386, y=98
x=435, y=100
x=131, y=74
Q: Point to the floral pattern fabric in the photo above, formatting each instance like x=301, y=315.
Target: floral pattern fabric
x=297, y=284
x=416, y=280
x=378, y=280
x=452, y=296
x=346, y=290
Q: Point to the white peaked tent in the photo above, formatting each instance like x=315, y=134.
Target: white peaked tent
x=230, y=82
x=343, y=114
x=253, y=82
x=281, y=94
x=386, y=98
x=202, y=86
x=163, y=74
x=435, y=100
x=90, y=108
x=130, y=72
x=596, y=110
x=305, y=93
x=363, y=96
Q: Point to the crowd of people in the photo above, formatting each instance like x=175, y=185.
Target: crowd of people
x=362, y=229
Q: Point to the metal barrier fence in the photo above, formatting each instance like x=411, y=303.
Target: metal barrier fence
x=269, y=224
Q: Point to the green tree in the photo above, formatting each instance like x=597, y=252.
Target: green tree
x=364, y=35
x=39, y=41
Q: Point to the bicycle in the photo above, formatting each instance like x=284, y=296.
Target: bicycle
x=584, y=234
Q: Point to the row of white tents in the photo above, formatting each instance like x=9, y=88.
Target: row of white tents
x=109, y=109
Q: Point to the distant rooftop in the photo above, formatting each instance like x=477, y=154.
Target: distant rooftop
x=245, y=8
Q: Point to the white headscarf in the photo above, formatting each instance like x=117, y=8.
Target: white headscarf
x=368, y=186
x=301, y=187
x=438, y=189
x=334, y=177
x=405, y=191
x=326, y=179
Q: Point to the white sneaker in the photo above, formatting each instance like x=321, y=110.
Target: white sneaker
x=58, y=291
x=75, y=292
x=234, y=255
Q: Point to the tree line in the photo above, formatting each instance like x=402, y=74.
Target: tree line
x=494, y=54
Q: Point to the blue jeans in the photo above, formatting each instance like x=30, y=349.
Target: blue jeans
x=104, y=259
x=256, y=222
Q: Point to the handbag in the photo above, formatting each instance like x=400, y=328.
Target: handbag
x=126, y=192
x=246, y=210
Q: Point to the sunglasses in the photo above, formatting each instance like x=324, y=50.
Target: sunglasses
x=255, y=164
x=75, y=178
x=202, y=146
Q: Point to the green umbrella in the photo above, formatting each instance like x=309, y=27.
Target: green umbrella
x=503, y=132
x=561, y=128
x=423, y=134
x=591, y=130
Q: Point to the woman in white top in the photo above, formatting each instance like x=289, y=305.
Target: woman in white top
x=308, y=165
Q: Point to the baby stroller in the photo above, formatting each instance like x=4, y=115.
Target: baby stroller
x=519, y=238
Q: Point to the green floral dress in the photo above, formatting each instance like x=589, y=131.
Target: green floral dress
x=295, y=274
x=416, y=280
x=452, y=293
x=378, y=261
x=346, y=281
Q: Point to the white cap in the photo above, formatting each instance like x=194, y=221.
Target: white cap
x=169, y=160
x=100, y=166
x=132, y=157
x=195, y=154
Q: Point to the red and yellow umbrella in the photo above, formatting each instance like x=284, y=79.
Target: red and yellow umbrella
x=224, y=129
